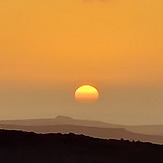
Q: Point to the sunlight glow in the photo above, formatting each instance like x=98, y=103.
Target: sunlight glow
x=86, y=93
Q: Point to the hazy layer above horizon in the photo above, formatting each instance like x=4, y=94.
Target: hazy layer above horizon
x=116, y=105
x=48, y=48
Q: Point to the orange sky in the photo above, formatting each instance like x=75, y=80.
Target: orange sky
x=47, y=42
x=49, y=47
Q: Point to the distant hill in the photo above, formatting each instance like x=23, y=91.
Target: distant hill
x=28, y=147
x=59, y=120
x=107, y=133
x=63, y=120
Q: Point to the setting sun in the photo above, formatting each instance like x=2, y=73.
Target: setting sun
x=86, y=93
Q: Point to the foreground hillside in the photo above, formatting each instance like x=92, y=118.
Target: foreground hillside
x=28, y=147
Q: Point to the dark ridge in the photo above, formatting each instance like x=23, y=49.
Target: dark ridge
x=29, y=147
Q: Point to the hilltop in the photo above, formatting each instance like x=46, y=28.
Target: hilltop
x=63, y=124
x=65, y=120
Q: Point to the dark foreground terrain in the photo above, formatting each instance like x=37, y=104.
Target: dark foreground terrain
x=28, y=147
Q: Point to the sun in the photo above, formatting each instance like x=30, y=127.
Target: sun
x=86, y=93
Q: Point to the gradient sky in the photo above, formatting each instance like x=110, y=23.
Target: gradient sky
x=49, y=48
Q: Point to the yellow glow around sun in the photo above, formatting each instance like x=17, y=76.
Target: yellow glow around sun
x=86, y=93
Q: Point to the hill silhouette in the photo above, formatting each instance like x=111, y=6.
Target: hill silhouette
x=64, y=120
x=28, y=147
x=107, y=133
x=63, y=124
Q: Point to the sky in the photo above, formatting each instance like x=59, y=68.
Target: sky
x=49, y=48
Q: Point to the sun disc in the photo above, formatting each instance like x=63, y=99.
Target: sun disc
x=86, y=93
